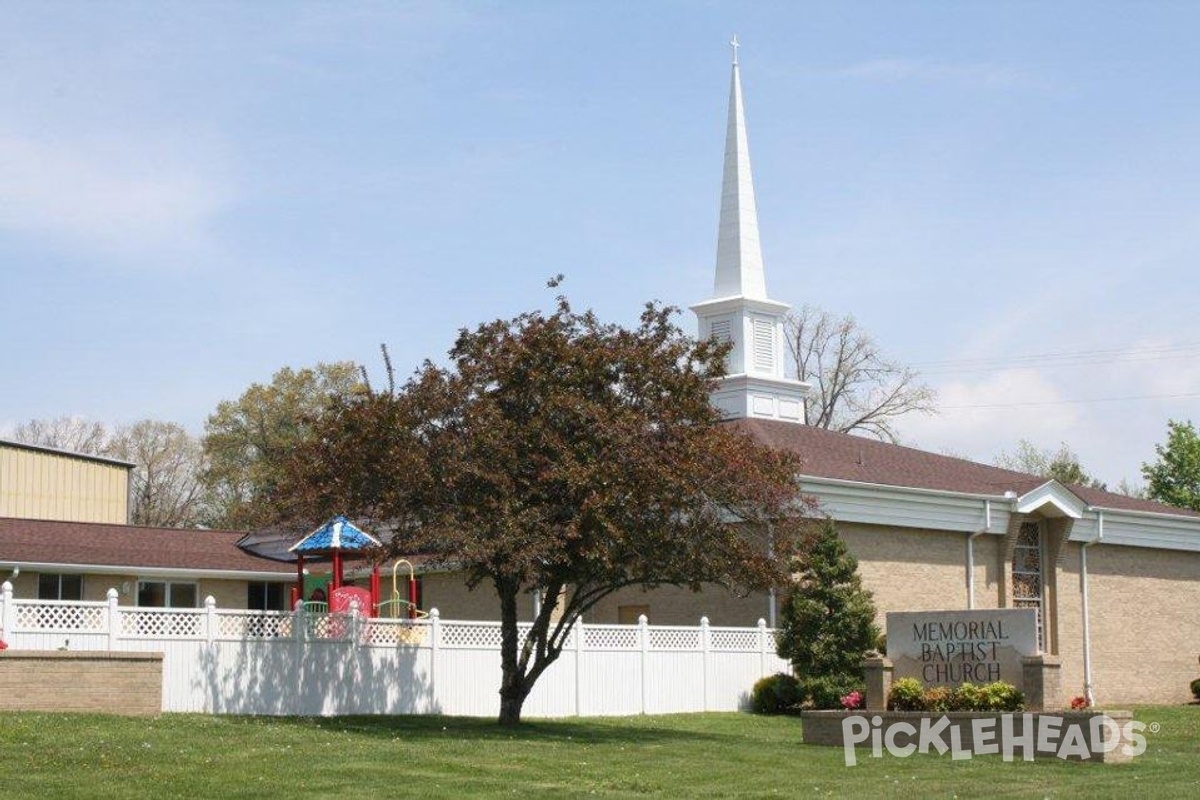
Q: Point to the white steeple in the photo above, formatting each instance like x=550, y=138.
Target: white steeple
x=740, y=311
x=739, y=254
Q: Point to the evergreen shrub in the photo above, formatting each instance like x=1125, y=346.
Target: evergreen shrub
x=775, y=694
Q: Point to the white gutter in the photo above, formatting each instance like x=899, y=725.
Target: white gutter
x=816, y=479
x=987, y=527
x=157, y=572
x=1083, y=591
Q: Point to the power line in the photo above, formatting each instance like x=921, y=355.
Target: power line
x=1062, y=354
x=1072, y=402
x=1076, y=358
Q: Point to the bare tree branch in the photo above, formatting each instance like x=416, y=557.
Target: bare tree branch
x=75, y=434
x=855, y=388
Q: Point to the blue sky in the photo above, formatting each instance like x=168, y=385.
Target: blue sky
x=193, y=195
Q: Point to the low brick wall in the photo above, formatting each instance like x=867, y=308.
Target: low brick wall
x=105, y=682
x=825, y=728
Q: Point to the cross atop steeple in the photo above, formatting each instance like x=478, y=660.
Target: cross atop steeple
x=734, y=44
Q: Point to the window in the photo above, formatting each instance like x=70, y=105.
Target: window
x=266, y=596
x=167, y=594
x=1027, y=579
x=60, y=587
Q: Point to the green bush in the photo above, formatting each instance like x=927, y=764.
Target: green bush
x=1001, y=696
x=825, y=692
x=907, y=694
x=1196, y=688
x=998, y=696
x=775, y=694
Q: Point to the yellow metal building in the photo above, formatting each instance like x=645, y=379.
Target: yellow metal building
x=44, y=483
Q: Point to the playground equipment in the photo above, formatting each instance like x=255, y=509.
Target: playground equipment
x=336, y=540
x=396, y=605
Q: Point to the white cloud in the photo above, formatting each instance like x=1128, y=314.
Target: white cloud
x=976, y=420
x=104, y=197
x=985, y=414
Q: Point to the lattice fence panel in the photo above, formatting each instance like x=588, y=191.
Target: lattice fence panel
x=165, y=623
x=396, y=632
x=454, y=635
x=329, y=626
x=615, y=637
x=674, y=639
x=253, y=625
x=740, y=640
x=64, y=618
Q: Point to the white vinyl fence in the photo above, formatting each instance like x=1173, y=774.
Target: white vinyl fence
x=253, y=662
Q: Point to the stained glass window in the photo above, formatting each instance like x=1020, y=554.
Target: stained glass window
x=1027, y=579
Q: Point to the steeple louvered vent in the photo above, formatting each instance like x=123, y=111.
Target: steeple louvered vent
x=764, y=345
x=720, y=330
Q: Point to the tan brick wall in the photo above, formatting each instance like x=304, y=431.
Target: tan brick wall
x=228, y=594
x=669, y=605
x=95, y=587
x=1070, y=623
x=25, y=585
x=989, y=583
x=674, y=605
x=111, y=683
x=1145, y=622
x=917, y=570
x=448, y=593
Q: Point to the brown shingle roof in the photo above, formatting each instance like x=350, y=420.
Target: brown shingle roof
x=48, y=541
x=827, y=454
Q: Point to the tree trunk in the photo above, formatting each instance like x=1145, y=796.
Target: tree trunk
x=510, y=710
x=512, y=683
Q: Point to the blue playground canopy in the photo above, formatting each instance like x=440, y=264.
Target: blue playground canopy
x=337, y=534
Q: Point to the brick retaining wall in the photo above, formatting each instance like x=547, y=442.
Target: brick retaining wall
x=105, y=682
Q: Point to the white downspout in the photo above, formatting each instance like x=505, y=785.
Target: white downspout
x=987, y=526
x=1083, y=591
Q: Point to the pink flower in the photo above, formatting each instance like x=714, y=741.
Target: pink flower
x=852, y=701
x=1079, y=703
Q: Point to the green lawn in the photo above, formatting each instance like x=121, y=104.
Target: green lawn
x=707, y=755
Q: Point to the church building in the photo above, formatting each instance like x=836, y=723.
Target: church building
x=1115, y=579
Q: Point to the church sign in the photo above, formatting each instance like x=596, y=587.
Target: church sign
x=948, y=648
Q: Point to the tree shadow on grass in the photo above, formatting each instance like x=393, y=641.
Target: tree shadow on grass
x=431, y=728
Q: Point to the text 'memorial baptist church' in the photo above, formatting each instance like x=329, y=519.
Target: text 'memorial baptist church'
x=739, y=311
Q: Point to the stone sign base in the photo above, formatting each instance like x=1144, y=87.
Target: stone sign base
x=1104, y=743
x=1041, y=680
x=61, y=680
